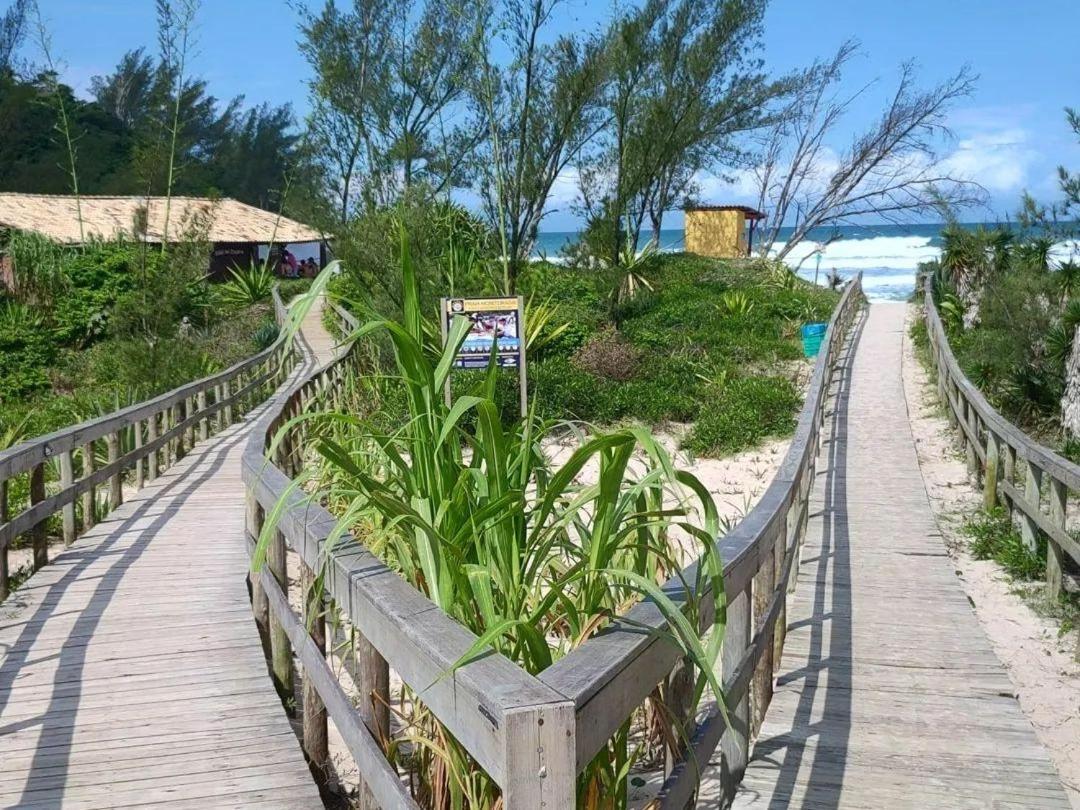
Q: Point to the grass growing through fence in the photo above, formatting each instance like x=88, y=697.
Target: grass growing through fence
x=993, y=536
x=469, y=510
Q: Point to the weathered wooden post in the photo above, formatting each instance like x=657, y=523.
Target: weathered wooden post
x=178, y=442
x=990, y=475
x=779, y=588
x=226, y=388
x=763, y=670
x=204, y=425
x=373, y=682
x=39, y=538
x=4, y=572
x=140, y=463
x=259, y=604
x=316, y=741
x=280, y=650
x=152, y=458
x=116, y=491
x=88, y=497
x=1029, y=529
x=1055, y=559
x=1008, y=473
x=67, y=480
x=735, y=744
x=189, y=411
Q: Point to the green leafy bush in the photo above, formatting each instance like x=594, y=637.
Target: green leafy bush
x=743, y=412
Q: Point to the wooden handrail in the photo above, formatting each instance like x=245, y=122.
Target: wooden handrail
x=612, y=673
x=162, y=430
x=534, y=734
x=993, y=445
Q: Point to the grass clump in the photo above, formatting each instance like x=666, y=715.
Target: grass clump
x=993, y=536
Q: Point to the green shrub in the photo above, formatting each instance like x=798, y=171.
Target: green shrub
x=994, y=537
x=563, y=391
x=743, y=412
x=265, y=335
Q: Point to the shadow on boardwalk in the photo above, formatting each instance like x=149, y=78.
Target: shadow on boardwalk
x=131, y=671
x=888, y=694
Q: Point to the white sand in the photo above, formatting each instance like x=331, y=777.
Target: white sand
x=1040, y=661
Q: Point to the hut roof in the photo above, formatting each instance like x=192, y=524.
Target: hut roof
x=225, y=220
x=751, y=213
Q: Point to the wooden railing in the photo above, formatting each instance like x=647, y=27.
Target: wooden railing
x=532, y=734
x=1011, y=468
x=145, y=438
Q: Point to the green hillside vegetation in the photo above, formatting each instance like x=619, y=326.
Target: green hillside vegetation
x=99, y=328
x=703, y=341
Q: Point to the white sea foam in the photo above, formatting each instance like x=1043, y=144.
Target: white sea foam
x=894, y=252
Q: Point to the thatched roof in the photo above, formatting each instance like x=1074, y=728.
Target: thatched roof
x=56, y=217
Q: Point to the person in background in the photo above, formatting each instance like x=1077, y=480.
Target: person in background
x=292, y=267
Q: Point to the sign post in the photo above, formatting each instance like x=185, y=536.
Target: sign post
x=497, y=323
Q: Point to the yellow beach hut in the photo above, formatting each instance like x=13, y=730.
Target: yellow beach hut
x=721, y=231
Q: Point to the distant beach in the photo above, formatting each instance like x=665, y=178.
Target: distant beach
x=888, y=255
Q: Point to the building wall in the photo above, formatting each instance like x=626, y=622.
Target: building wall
x=719, y=234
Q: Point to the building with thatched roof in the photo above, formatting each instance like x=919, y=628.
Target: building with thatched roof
x=236, y=230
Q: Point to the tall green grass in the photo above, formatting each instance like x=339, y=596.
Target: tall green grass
x=533, y=558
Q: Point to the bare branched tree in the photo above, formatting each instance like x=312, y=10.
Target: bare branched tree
x=542, y=108
x=892, y=171
x=349, y=52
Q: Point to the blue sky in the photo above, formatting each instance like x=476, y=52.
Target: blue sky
x=1010, y=135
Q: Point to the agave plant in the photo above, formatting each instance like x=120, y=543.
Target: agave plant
x=735, y=304
x=530, y=557
x=248, y=286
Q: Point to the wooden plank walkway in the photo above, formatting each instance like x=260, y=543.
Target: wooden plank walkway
x=889, y=694
x=132, y=673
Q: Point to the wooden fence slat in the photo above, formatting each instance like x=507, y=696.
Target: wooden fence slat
x=140, y=464
x=280, y=651
x=990, y=475
x=373, y=683
x=5, y=574
x=735, y=744
x=316, y=742
x=152, y=458
x=1029, y=528
x=116, y=487
x=67, y=478
x=89, y=496
x=1055, y=560
x=37, y=533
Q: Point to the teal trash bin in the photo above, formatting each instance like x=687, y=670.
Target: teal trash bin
x=812, y=333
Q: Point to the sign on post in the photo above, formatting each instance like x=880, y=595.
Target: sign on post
x=496, y=323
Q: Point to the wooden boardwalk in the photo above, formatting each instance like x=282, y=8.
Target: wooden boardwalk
x=889, y=694
x=132, y=673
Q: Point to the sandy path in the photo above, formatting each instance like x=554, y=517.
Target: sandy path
x=1038, y=658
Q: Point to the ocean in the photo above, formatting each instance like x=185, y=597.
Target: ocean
x=888, y=255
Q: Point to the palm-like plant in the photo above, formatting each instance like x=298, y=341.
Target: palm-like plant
x=1067, y=280
x=531, y=559
x=248, y=286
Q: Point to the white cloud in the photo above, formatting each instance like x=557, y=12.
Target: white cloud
x=999, y=160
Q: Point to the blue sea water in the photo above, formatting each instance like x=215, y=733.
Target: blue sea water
x=887, y=255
